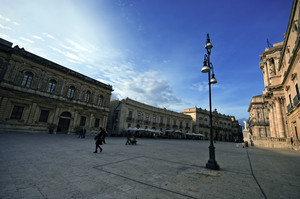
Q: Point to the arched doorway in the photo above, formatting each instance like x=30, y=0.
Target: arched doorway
x=64, y=122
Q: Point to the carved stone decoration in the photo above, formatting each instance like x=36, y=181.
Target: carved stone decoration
x=293, y=76
x=287, y=88
x=272, y=67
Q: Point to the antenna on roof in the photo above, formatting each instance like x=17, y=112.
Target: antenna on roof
x=269, y=44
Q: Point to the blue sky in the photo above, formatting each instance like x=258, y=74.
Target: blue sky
x=152, y=50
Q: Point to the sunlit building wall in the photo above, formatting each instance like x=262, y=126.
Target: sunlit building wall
x=128, y=113
x=280, y=66
x=225, y=127
x=37, y=95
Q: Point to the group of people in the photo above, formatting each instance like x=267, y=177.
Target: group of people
x=100, y=138
x=82, y=133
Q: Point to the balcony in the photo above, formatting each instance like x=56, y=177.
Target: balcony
x=139, y=121
x=154, y=123
x=146, y=122
x=130, y=119
x=161, y=124
x=175, y=126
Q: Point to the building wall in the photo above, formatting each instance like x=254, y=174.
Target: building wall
x=280, y=66
x=225, y=127
x=128, y=113
x=259, y=117
x=35, y=95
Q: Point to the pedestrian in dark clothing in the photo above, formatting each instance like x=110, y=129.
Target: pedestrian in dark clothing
x=80, y=134
x=83, y=132
x=104, y=134
x=98, y=139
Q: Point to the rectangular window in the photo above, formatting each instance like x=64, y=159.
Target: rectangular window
x=44, y=116
x=82, y=121
x=17, y=112
x=97, y=122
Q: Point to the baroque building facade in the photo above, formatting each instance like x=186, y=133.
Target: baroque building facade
x=280, y=66
x=37, y=95
x=130, y=114
x=225, y=127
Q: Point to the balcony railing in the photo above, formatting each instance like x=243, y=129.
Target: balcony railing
x=139, y=121
x=146, y=122
x=130, y=119
x=161, y=124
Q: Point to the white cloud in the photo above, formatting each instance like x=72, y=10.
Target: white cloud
x=27, y=40
x=4, y=36
x=76, y=45
x=37, y=37
x=48, y=35
x=73, y=57
x=5, y=27
x=146, y=87
x=201, y=86
x=4, y=18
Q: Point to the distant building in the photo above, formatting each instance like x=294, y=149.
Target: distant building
x=279, y=107
x=37, y=95
x=225, y=127
x=145, y=119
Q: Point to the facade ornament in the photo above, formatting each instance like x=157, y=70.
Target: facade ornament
x=293, y=76
x=287, y=88
x=272, y=67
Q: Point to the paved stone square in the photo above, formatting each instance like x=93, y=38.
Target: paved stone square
x=63, y=166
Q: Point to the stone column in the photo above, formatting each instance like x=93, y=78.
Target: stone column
x=8, y=71
x=75, y=118
x=271, y=121
x=32, y=113
x=62, y=87
x=91, y=120
x=56, y=116
x=3, y=105
x=104, y=122
x=279, y=118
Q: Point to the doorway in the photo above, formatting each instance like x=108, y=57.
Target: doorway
x=64, y=122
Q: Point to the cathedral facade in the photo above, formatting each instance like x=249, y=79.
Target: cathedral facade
x=274, y=116
x=37, y=95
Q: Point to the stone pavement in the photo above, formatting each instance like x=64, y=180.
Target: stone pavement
x=63, y=166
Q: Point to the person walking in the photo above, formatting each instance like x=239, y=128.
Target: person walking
x=98, y=139
x=83, y=132
x=104, y=134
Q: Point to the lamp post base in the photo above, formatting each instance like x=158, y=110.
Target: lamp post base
x=212, y=164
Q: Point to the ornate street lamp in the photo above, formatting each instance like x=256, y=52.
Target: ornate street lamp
x=208, y=68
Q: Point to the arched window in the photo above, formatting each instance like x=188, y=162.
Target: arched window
x=27, y=79
x=130, y=114
x=87, y=96
x=51, y=86
x=71, y=92
x=100, y=101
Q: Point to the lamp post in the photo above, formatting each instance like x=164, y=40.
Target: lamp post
x=208, y=68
